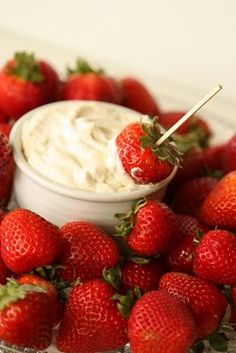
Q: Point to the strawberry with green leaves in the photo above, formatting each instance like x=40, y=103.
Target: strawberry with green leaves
x=7, y=166
x=25, y=316
x=26, y=83
x=150, y=227
x=92, y=322
x=215, y=257
x=85, y=82
x=206, y=302
x=88, y=250
x=141, y=157
x=160, y=323
x=138, y=273
x=195, y=131
x=56, y=305
x=137, y=96
x=219, y=208
x=28, y=241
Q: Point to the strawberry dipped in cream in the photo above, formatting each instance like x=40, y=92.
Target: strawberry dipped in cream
x=73, y=144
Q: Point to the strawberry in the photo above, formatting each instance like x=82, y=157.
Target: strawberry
x=6, y=170
x=87, y=83
x=5, y=128
x=142, y=159
x=92, y=322
x=168, y=119
x=233, y=312
x=215, y=257
x=25, y=83
x=50, y=84
x=150, y=227
x=191, y=166
x=160, y=323
x=144, y=276
x=3, y=118
x=212, y=158
x=4, y=272
x=88, y=250
x=28, y=241
x=190, y=196
x=229, y=156
x=181, y=254
x=56, y=305
x=2, y=214
x=206, y=302
x=25, y=316
x=219, y=208
x=138, y=97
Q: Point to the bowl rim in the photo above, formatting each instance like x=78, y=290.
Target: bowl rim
x=75, y=193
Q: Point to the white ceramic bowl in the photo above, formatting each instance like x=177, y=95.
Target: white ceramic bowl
x=60, y=204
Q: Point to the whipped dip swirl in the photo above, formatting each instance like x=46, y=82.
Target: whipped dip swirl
x=73, y=144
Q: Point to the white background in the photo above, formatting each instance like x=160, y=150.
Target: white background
x=191, y=43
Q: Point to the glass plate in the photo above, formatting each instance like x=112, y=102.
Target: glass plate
x=6, y=348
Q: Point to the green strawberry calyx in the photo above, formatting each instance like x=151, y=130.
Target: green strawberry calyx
x=26, y=67
x=112, y=276
x=127, y=221
x=167, y=151
x=83, y=67
x=125, y=302
x=49, y=273
x=13, y=291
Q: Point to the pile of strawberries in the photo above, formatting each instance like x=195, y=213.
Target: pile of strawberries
x=165, y=281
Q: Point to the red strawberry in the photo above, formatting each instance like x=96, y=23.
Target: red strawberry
x=215, y=257
x=5, y=128
x=4, y=272
x=233, y=313
x=196, y=124
x=191, y=167
x=56, y=305
x=229, y=156
x=86, y=83
x=2, y=214
x=6, y=170
x=88, y=250
x=50, y=84
x=92, y=322
x=206, y=302
x=181, y=254
x=151, y=226
x=190, y=196
x=25, y=83
x=219, y=208
x=3, y=118
x=142, y=159
x=160, y=323
x=25, y=316
x=28, y=241
x=144, y=276
x=138, y=97
x=212, y=158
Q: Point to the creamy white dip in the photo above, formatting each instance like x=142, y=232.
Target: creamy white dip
x=73, y=144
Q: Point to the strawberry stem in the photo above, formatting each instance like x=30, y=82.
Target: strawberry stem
x=167, y=151
x=26, y=67
x=14, y=291
x=83, y=67
x=112, y=276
